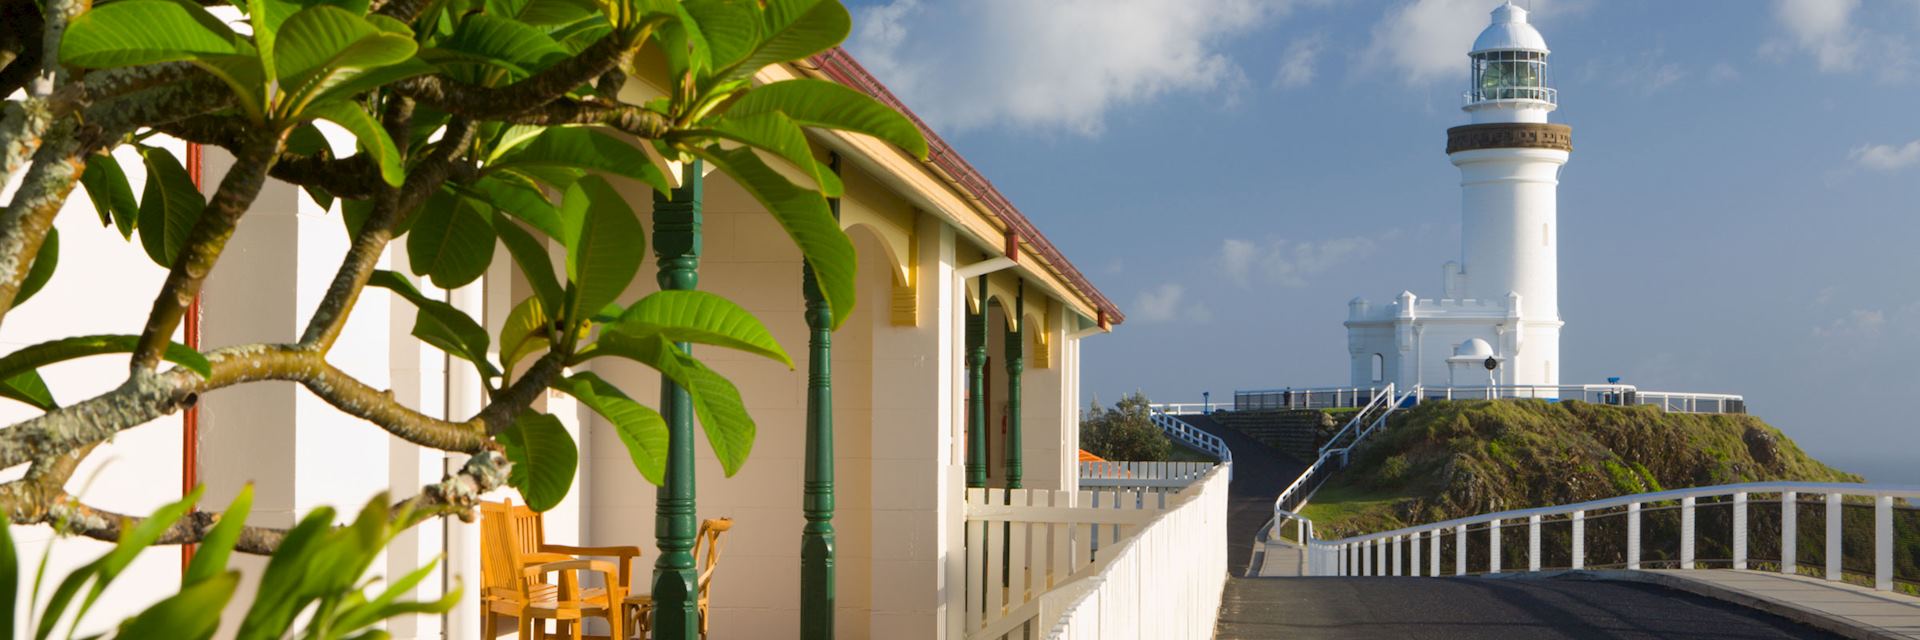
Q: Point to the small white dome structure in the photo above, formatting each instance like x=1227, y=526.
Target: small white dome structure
x=1473, y=348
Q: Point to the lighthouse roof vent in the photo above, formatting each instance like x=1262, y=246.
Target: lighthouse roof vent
x=1509, y=32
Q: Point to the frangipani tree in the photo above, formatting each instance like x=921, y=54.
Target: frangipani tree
x=479, y=124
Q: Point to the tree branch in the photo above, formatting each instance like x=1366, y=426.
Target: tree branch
x=353, y=177
x=204, y=243
x=532, y=92
x=389, y=209
x=24, y=223
x=456, y=495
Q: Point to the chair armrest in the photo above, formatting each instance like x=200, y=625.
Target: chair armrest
x=623, y=552
x=615, y=590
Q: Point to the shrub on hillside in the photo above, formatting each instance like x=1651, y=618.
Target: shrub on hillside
x=1125, y=432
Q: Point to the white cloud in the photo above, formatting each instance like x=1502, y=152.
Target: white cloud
x=1166, y=303
x=1823, y=28
x=1886, y=157
x=1284, y=263
x=1859, y=323
x=1057, y=64
x=1296, y=63
x=1428, y=40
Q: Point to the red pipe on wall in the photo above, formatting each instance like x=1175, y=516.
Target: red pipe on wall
x=190, y=420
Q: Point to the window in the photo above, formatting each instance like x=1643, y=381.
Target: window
x=1510, y=75
x=1379, y=368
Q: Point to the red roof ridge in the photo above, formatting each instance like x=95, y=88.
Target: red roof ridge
x=841, y=66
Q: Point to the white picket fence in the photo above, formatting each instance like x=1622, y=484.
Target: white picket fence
x=1129, y=561
x=1142, y=474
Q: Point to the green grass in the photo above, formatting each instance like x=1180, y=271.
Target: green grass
x=1183, y=453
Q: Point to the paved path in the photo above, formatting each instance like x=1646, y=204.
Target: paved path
x=1484, y=608
x=1259, y=474
x=1833, y=605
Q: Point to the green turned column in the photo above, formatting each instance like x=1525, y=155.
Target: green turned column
x=1016, y=363
x=816, y=539
x=676, y=248
x=977, y=393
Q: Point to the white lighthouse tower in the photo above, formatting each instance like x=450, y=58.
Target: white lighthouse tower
x=1501, y=300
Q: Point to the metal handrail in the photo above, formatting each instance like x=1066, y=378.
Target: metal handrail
x=1344, y=556
x=1190, y=435
x=1378, y=399
x=1280, y=502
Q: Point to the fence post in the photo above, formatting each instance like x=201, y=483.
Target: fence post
x=1493, y=546
x=1740, y=530
x=1633, y=536
x=1396, y=542
x=1789, y=525
x=1366, y=557
x=1579, y=540
x=1460, y=550
x=1381, y=555
x=1833, y=537
x=1686, y=532
x=1533, y=543
x=1883, y=543
x=1433, y=542
x=1413, y=546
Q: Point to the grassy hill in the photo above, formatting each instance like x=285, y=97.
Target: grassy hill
x=1444, y=460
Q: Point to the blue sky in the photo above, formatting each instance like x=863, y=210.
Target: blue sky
x=1739, y=214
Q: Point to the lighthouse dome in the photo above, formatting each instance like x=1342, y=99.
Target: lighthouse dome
x=1509, y=32
x=1474, y=348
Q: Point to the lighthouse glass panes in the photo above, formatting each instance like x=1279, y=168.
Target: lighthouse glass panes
x=1510, y=75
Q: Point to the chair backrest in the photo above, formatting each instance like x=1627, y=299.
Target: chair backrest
x=709, y=538
x=508, y=534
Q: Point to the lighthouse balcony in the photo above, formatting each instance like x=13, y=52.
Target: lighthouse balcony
x=1496, y=95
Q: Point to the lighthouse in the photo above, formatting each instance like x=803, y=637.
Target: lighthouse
x=1497, y=319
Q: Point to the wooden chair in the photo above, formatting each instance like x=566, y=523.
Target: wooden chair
x=514, y=561
x=639, y=607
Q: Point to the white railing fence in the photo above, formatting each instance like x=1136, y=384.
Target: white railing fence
x=1189, y=435
x=1165, y=582
x=1041, y=561
x=1305, y=398
x=1142, y=475
x=1836, y=531
x=1610, y=394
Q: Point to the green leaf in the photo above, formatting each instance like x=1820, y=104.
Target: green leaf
x=133, y=541
x=278, y=598
x=373, y=137
x=499, y=42
x=112, y=197
x=790, y=30
x=210, y=558
x=582, y=148
x=44, y=262
x=604, y=242
x=191, y=614
x=243, y=74
x=349, y=86
x=323, y=45
x=518, y=199
x=530, y=255
x=451, y=245
x=440, y=324
x=730, y=431
x=524, y=332
x=701, y=317
x=777, y=134
x=722, y=33
x=169, y=206
x=819, y=103
x=135, y=32
x=388, y=604
x=544, y=459
x=807, y=220
x=640, y=428
x=307, y=140
x=28, y=387
x=9, y=582
x=33, y=357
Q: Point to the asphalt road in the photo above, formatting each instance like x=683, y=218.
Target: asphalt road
x=1259, y=473
x=1484, y=608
